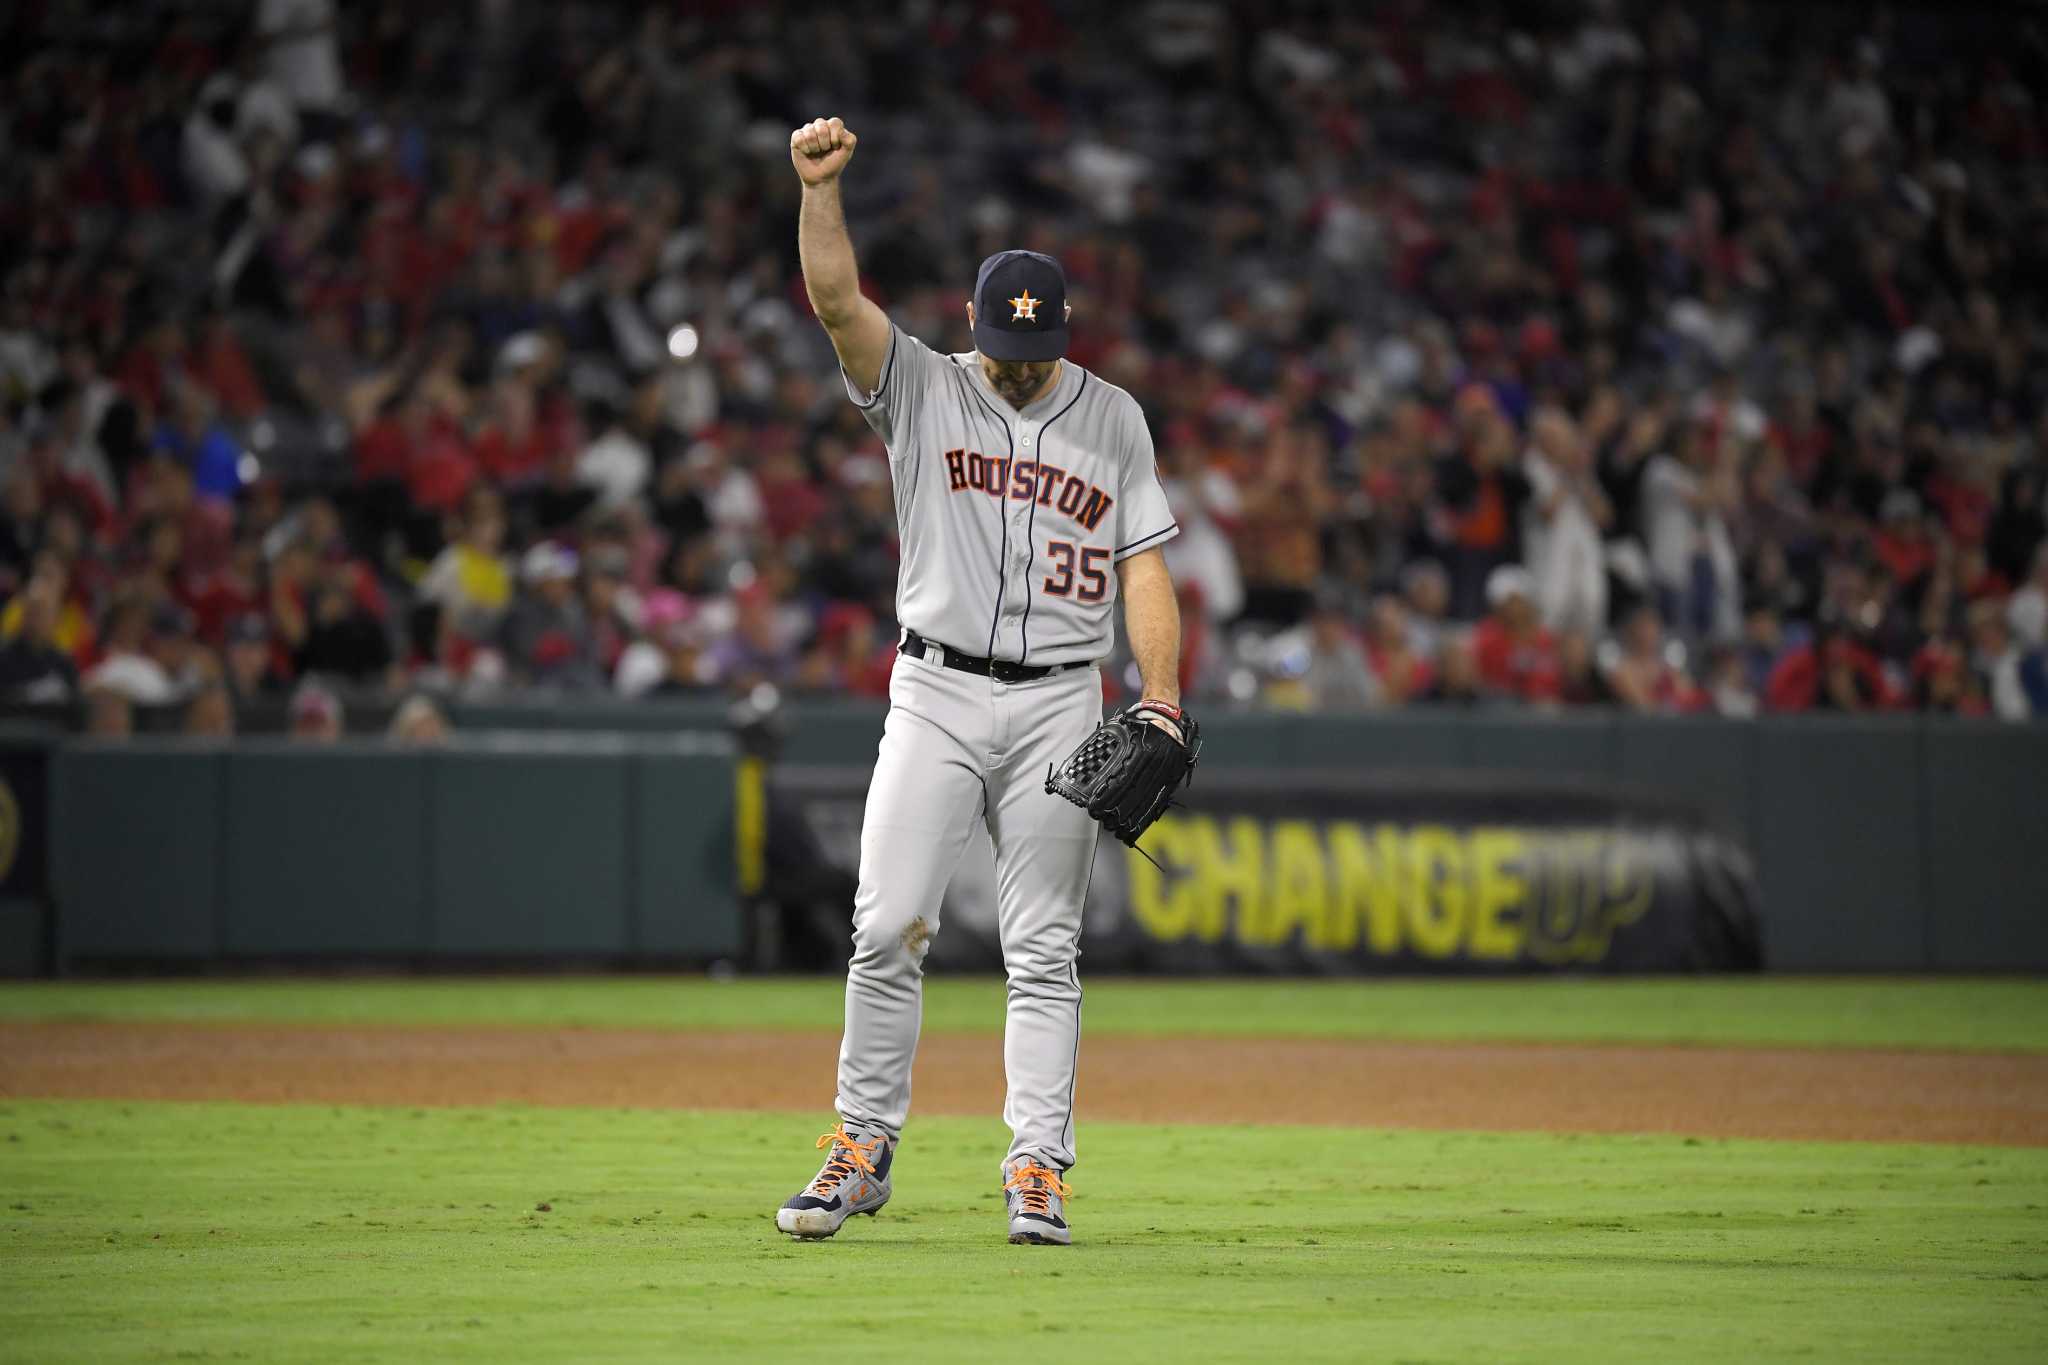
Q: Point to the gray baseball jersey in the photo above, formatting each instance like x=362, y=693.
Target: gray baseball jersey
x=1012, y=521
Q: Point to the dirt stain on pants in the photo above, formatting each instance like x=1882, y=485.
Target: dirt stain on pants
x=917, y=936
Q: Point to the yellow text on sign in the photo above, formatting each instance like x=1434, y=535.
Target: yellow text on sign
x=1485, y=893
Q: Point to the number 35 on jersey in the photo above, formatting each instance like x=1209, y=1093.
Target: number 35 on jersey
x=1078, y=571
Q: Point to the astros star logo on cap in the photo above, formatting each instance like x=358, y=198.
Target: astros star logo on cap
x=1034, y=326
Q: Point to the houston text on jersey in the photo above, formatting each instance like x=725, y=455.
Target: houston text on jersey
x=970, y=471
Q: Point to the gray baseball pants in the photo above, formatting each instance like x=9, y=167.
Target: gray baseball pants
x=958, y=748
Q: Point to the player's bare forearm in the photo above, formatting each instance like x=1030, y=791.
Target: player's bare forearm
x=831, y=276
x=860, y=332
x=1152, y=620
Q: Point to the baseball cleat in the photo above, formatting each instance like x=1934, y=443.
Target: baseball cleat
x=1036, y=1200
x=854, y=1179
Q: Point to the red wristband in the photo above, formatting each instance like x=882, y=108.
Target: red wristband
x=1164, y=708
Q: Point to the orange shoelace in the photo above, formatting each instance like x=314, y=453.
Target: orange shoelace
x=1035, y=1185
x=848, y=1156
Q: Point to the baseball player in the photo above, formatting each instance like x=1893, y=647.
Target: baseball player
x=1027, y=499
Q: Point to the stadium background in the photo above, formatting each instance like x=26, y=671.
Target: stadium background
x=1609, y=441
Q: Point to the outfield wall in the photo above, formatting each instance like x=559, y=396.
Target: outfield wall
x=1881, y=844
x=521, y=846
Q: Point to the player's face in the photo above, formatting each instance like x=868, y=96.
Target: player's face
x=1018, y=381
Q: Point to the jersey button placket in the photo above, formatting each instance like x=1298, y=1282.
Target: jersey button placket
x=1020, y=523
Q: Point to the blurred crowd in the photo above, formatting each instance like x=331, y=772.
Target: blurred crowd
x=1675, y=357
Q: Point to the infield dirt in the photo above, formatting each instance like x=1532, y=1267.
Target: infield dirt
x=1832, y=1094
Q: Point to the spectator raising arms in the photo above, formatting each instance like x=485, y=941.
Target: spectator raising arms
x=1566, y=516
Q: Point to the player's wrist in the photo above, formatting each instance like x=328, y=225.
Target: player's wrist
x=1164, y=715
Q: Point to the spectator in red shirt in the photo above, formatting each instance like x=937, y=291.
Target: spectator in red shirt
x=1517, y=656
x=513, y=447
x=223, y=368
x=1963, y=490
x=1832, y=672
x=849, y=655
x=792, y=496
x=413, y=443
x=145, y=372
x=1800, y=436
x=1642, y=674
x=441, y=469
x=230, y=590
x=1944, y=683
x=1902, y=543
x=383, y=448
x=1403, y=672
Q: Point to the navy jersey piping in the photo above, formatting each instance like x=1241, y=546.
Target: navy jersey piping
x=1031, y=523
x=995, y=619
x=1074, y=973
x=1167, y=529
x=888, y=368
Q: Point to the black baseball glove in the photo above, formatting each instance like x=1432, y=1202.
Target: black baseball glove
x=1125, y=774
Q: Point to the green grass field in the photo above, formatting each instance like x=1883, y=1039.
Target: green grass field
x=139, y=1232
x=288, y=1234
x=1949, y=1013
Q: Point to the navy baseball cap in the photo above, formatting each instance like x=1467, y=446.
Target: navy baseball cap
x=1020, y=307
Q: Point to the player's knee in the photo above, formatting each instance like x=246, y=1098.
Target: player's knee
x=889, y=940
x=1041, y=969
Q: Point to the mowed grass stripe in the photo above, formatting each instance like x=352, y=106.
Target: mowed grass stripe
x=1937, y=1013
x=302, y=1233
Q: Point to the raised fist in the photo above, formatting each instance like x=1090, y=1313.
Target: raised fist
x=820, y=150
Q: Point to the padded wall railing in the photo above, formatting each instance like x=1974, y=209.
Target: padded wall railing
x=1882, y=844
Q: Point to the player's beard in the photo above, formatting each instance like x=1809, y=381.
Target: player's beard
x=1019, y=381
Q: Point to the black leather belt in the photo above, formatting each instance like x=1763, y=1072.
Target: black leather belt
x=1002, y=670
